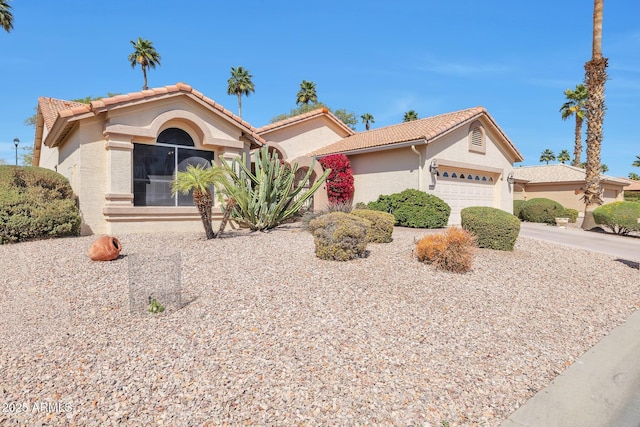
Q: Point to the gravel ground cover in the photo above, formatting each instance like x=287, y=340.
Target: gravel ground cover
x=270, y=335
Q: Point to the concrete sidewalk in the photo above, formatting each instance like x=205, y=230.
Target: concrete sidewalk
x=602, y=388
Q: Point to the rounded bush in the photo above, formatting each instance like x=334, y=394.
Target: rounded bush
x=493, y=228
x=381, y=224
x=451, y=250
x=619, y=217
x=572, y=214
x=517, y=206
x=340, y=236
x=541, y=210
x=36, y=203
x=414, y=208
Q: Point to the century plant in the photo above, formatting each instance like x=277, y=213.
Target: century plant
x=270, y=195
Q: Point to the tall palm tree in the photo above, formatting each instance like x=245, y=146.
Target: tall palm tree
x=199, y=180
x=636, y=162
x=6, y=17
x=547, y=155
x=595, y=78
x=410, y=115
x=240, y=83
x=307, y=93
x=576, y=106
x=367, y=119
x=144, y=54
x=564, y=156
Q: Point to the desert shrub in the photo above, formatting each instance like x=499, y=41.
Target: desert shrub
x=541, y=210
x=361, y=205
x=451, y=250
x=339, y=236
x=517, y=206
x=572, y=214
x=36, y=203
x=493, y=228
x=308, y=216
x=630, y=196
x=381, y=224
x=619, y=217
x=340, y=180
x=414, y=208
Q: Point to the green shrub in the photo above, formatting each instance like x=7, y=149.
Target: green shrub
x=340, y=236
x=493, y=228
x=631, y=196
x=517, y=206
x=361, y=205
x=36, y=203
x=572, y=214
x=381, y=224
x=414, y=208
x=541, y=210
x=619, y=217
x=451, y=250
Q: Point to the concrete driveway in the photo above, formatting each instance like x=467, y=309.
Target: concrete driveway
x=623, y=247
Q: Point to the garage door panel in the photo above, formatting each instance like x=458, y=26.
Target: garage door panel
x=460, y=193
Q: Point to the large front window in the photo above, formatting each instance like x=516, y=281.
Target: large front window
x=155, y=166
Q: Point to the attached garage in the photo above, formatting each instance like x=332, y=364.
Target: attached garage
x=461, y=189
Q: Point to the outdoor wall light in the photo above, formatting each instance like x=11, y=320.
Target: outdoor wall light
x=433, y=167
x=510, y=178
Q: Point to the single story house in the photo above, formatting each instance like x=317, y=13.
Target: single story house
x=633, y=188
x=563, y=183
x=462, y=157
x=120, y=155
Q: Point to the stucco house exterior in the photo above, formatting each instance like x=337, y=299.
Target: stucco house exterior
x=563, y=183
x=462, y=157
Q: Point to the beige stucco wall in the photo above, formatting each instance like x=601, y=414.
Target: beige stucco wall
x=303, y=138
x=96, y=157
x=565, y=193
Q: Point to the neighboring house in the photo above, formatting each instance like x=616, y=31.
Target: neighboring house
x=462, y=157
x=633, y=188
x=120, y=154
x=563, y=183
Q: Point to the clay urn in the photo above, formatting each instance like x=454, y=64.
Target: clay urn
x=105, y=248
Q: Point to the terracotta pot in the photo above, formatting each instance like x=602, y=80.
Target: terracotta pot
x=106, y=248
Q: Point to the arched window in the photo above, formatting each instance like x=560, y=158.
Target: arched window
x=445, y=174
x=155, y=166
x=453, y=175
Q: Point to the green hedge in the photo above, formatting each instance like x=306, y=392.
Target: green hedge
x=381, y=224
x=517, y=206
x=619, y=217
x=572, y=214
x=493, y=228
x=340, y=236
x=414, y=208
x=36, y=203
x=541, y=210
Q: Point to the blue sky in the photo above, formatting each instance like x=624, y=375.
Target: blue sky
x=382, y=57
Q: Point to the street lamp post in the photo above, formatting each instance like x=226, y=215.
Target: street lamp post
x=16, y=142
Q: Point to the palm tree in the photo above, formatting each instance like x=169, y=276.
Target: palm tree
x=410, y=116
x=199, y=180
x=564, y=156
x=604, y=168
x=634, y=176
x=595, y=78
x=144, y=54
x=367, y=119
x=576, y=106
x=240, y=84
x=547, y=155
x=636, y=162
x=307, y=93
x=6, y=17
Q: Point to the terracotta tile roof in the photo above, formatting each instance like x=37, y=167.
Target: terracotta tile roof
x=558, y=173
x=423, y=129
x=303, y=117
x=635, y=185
x=52, y=109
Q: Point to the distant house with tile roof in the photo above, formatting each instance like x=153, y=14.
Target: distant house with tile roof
x=120, y=155
x=563, y=183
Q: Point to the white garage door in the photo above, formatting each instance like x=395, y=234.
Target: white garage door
x=464, y=189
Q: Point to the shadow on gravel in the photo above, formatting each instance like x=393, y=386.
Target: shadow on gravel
x=633, y=264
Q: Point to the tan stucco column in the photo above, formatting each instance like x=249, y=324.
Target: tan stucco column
x=119, y=171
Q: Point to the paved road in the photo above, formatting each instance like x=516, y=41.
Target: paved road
x=623, y=247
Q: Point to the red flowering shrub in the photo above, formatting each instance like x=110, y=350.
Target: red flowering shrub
x=340, y=180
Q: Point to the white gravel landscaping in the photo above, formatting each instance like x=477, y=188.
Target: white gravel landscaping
x=270, y=335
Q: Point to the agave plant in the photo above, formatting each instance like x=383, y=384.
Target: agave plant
x=269, y=196
x=199, y=180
